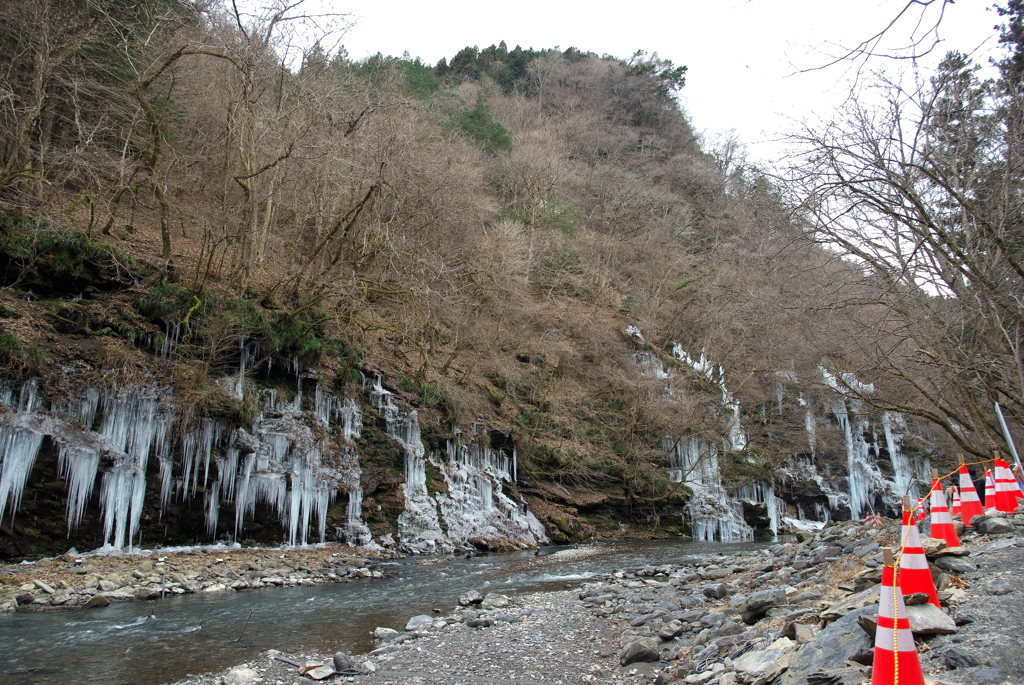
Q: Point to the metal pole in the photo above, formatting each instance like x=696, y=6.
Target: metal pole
x=1006, y=433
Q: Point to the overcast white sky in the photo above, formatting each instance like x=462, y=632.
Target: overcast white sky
x=742, y=55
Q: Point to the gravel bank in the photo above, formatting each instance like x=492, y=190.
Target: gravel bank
x=792, y=614
x=73, y=581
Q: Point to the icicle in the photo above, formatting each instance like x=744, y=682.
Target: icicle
x=212, y=510
x=20, y=448
x=78, y=466
x=132, y=423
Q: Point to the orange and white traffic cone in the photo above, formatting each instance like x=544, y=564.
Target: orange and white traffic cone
x=955, y=511
x=896, y=661
x=915, y=576
x=1016, y=473
x=921, y=514
x=970, y=505
x=990, y=493
x=1006, y=486
x=942, y=522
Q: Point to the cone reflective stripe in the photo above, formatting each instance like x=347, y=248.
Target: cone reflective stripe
x=942, y=522
x=1006, y=501
x=955, y=511
x=990, y=493
x=970, y=505
x=895, y=661
x=915, y=576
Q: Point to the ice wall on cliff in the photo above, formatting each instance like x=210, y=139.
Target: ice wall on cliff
x=295, y=458
x=870, y=440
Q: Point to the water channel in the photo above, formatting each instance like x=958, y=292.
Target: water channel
x=148, y=643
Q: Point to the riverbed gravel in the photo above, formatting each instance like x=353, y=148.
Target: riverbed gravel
x=793, y=613
x=75, y=581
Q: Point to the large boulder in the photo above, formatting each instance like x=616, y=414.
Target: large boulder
x=645, y=649
x=860, y=600
x=928, y=619
x=758, y=604
x=995, y=526
x=419, y=622
x=763, y=665
x=830, y=648
x=955, y=564
x=493, y=600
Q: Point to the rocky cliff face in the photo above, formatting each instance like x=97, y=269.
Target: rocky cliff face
x=132, y=464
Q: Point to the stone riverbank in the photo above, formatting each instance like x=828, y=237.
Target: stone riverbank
x=795, y=613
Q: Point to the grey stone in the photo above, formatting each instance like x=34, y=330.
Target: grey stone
x=641, y=620
x=928, y=619
x=713, y=619
x=860, y=600
x=671, y=630
x=645, y=649
x=240, y=675
x=480, y=623
x=320, y=673
x=385, y=633
x=957, y=658
x=953, y=552
x=764, y=600
x=763, y=665
x=493, y=600
x=714, y=573
x=932, y=545
x=97, y=601
x=998, y=586
x=842, y=640
x=995, y=526
x=869, y=549
x=987, y=675
x=916, y=598
x=955, y=564
x=343, y=661
x=419, y=622
x=716, y=591
x=474, y=597
x=826, y=552
x=726, y=628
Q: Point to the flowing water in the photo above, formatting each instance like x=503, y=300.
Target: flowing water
x=144, y=643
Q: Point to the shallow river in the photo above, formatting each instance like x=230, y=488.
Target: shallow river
x=147, y=643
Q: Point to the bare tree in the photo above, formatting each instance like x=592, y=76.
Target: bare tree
x=920, y=194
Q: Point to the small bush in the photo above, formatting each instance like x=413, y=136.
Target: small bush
x=478, y=125
x=421, y=79
x=19, y=357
